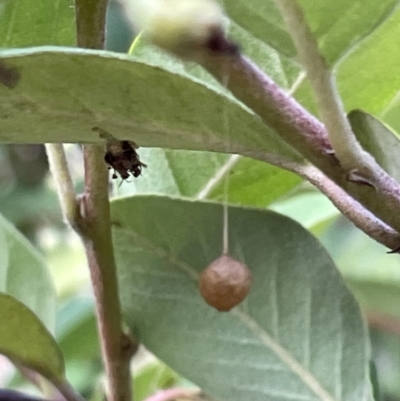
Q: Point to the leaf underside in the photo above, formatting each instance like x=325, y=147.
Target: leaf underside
x=298, y=336
x=24, y=275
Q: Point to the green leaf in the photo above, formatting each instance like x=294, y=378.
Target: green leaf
x=24, y=275
x=25, y=340
x=376, y=295
x=378, y=140
x=22, y=204
x=283, y=70
x=78, y=340
x=152, y=378
x=59, y=98
x=365, y=82
x=147, y=53
x=386, y=350
x=298, y=335
x=338, y=25
x=77, y=331
x=26, y=23
x=341, y=25
x=254, y=183
x=372, y=274
x=354, y=37
x=375, y=382
x=174, y=172
x=187, y=173
x=263, y=20
x=203, y=174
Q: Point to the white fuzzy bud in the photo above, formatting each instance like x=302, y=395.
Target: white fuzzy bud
x=182, y=27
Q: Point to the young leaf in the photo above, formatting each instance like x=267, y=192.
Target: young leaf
x=378, y=140
x=24, y=275
x=25, y=340
x=298, y=336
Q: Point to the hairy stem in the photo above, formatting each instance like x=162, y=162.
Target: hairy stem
x=349, y=207
x=346, y=204
x=303, y=132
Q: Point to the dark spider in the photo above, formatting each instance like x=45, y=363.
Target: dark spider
x=121, y=156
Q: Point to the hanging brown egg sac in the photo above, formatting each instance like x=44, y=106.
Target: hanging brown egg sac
x=225, y=283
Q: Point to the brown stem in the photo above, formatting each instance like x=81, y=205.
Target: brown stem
x=353, y=210
x=349, y=207
x=117, y=348
x=303, y=132
x=90, y=19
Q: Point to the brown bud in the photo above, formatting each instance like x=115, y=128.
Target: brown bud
x=225, y=283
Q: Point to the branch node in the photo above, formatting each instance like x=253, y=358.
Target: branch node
x=358, y=177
